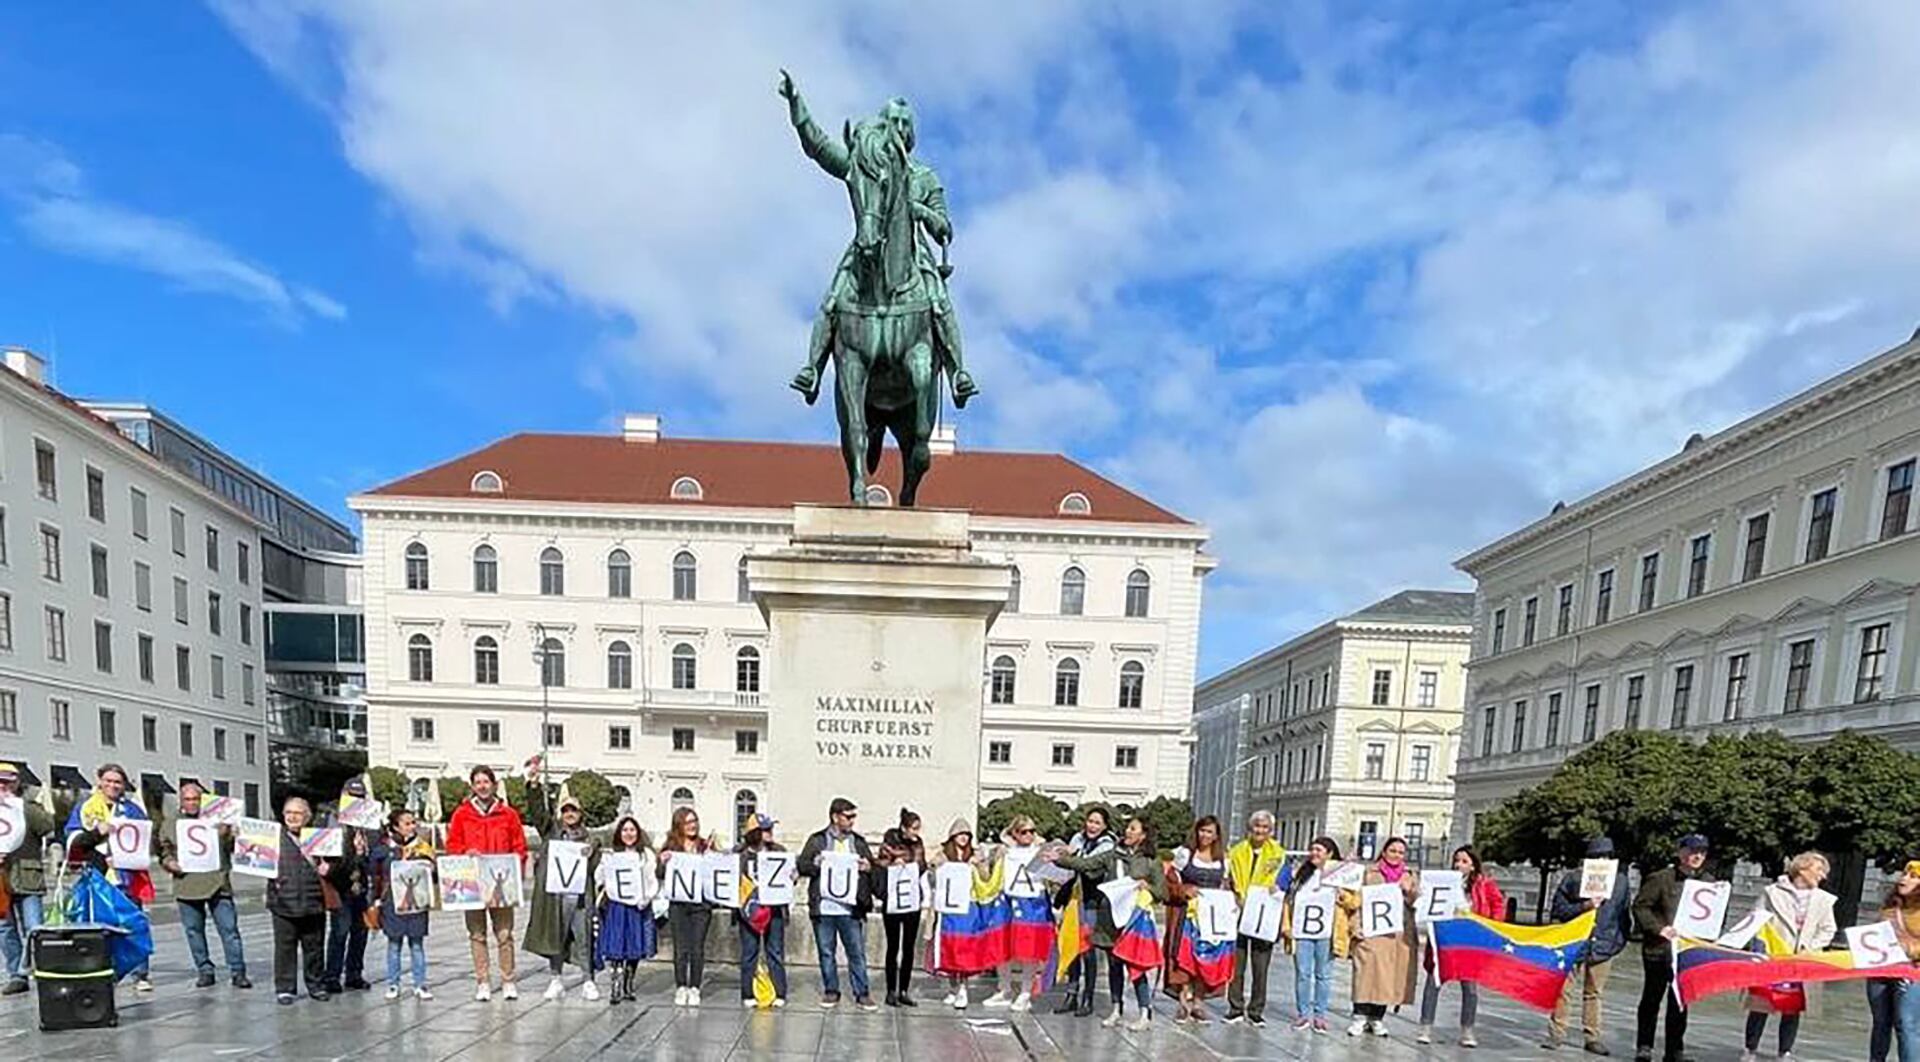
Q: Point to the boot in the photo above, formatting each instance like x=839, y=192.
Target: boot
x=626, y=980
x=1068, y=1004
x=615, y=993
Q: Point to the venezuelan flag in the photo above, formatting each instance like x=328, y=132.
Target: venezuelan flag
x=1528, y=964
x=1138, y=944
x=756, y=915
x=1702, y=969
x=1030, y=935
x=1211, y=963
x=974, y=942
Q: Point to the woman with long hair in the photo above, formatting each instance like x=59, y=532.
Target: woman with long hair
x=1089, y=854
x=1482, y=895
x=404, y=923
x=1195, y=969
x=1133, y=946
x=1384, y=969
x=1030, y=931
x=900, y=846
x=1895, y=1003
x=1313, y=959
x=687, y=920
x=627, y=935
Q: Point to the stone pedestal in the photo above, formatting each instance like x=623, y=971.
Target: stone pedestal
x=877, y=622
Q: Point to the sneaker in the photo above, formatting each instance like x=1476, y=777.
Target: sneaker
x=555, y=989
x=358, y=984
x=589, y=991
x=1111, y=1020
x=1598, y=1047
x=1022, y=1003
x=482, y=993
x=693, y=996
x=1551, y=1043
x=748, y=1003
x=1378, y=1028
x=1302, y=1024
x=319, y=995
x=1467, y=1040
x=960, y=998
x=906, y=999
x=1786, y=1056
x=865, y=1003
x=1235, y=1017
x=143, y=985
x=778, y=1002
x=15, y=986
x=1141, y=1023
x=1424, y=1036
x=947, y=1000
x=1255, y=1020
x=205, y=980
x=829, y=1000
x=1643, y=1054
x=997, y=1000
x=1358, y=1027
x=240, y=981
x=1067, y=1005
x=423, y=993
x=1321, y=1027
x=393, y=992
x=285, y=999
x=509, y=991
x=1749, y=1056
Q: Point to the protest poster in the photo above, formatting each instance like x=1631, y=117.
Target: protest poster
x=1017, y=874
x=13, y=824
x=224, y=810
x=410, y=883
x=1383, y=910
x=500, y=880
x=1260, y=916
x=566, y=868
x=1313, y=913
x=683, y=877
x=322, y=842
x=904, y=894
x=1874, y=945
x=460, y=883
x=1702, y=910
x=1597, y=878
x=840, y=879
x=1051, y=873
x=773, y=878
x=256, y=848
x=1442, y=895
x=1216, y=915
x=1123, y=895
x=953, y=888
x=130, y=843
x=720, y=879
x=625, y=878
x=196, y=844
x=1741, y=933
x=1350, y=875
x=361, y=813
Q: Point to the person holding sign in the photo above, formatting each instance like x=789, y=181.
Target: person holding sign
x=23, y=873
x=689, y=916
x=1804, y=911
x=1316, y=931
x=1090, y=855
x=299, y=911
x=1483, y=898
x=900, y=847
x=1613, y=914
x=842, y=921
x=1892, y=1001
x=762, y=924
x=626, y=936
x=1030, y=932
x=559, y=923
x=1655, y=909
x=87, y=831
x=485, y=824
x=201, y=887
x=970, y=919
x=403, y=918
x=1384, y=967
x=1256, y=861
x=1196, y=967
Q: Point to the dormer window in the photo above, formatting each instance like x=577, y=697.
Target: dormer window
x=687, y=488
x=487, y=482
x=1075, y=504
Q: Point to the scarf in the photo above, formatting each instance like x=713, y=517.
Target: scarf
x=1389, y=873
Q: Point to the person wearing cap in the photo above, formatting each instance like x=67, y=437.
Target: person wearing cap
x=24, y=872
x=86, y=840
x=204, y=896
x=560, y=925
x=1653, y=911
x=833, y=922
x=965, y=944
x=485, y=824
x=1611, y=921
x=764, y=936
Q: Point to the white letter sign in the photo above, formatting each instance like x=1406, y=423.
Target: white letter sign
x=13, y=823
x=624, y=878
x=566, y=868
x=1383, y=910
x=722, y=879
x=1260, y=915
x=1349, y=875
x=1312, y=914
x=903, y=889
x=683, y=877
x=1703, y=908
x=1442, y=895
x=774, y=881
x=1017, y=873
x=1216, y=915
x=952, y=888
x=1741, y=933
x=197, y=846
x=1596, y=878
x=840, y=877
x=1122, y=896
x=1874, y=945
x=130, y=843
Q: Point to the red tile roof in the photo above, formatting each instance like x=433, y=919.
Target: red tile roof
x=767, y=475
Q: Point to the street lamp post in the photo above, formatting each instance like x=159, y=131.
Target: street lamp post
x=540, y=658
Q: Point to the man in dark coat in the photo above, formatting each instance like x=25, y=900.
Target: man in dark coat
x=1612, y=918
x=836, y=922
x=1654, y=911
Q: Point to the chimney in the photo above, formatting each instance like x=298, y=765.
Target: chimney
x=641, y=428
x=26, y=363
x=945, y=440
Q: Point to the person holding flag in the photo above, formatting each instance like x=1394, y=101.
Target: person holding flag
x=1891, y=1001
x=1256, y=861
x=1613, y=919
x=1654, y=909
x=1803, y=918
x=23, y=875
x=1133, y=930
x=974, y=942
x=1090, y=855
x=1196, y=968
x=627, y=936
x=1031, y=939
x=86, y=833
x=1484, y=899
x=762, y=926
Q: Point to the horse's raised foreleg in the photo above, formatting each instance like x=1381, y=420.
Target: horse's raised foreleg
x=850, y=403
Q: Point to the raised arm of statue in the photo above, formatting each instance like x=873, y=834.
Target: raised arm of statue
x=821, y=148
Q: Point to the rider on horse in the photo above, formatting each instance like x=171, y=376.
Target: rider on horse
x=929, y=201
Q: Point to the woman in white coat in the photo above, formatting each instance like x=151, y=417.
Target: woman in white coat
x=1803, y=911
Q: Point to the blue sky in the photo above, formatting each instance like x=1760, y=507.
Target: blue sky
x=1359, y=286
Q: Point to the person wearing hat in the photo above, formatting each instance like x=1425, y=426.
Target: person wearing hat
x=836, y=923
x=1653, y=910
x=86, y=842
x=560, y=926
x=973, y=942
x=762, y=927
x=1611, y=921
x=24, y=874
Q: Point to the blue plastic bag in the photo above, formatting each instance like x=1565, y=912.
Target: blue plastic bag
x=96, y=901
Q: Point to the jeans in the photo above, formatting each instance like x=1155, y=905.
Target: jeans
x=1086, y=974
x=851, y=933
x=1757, y=1027
x=688, y=923
x=1117, y=985
x=1251, y=955
x=419, y=953
x=776, y=951
x=346, y=946
x=226, y=921
x=1655, y=993
x=1430, y=1002
x=15, y=933
x=298, y=940
x=903, y=930
x=1589, y=980
x=1896, y=1019
x=1312, y=977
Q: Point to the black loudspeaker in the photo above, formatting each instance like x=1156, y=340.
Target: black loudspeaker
x=74, y=975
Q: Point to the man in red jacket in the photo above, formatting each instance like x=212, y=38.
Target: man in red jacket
x=484, y=824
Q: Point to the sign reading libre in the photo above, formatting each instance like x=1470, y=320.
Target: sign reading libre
x=873, y=728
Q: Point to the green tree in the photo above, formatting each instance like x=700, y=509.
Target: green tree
x=452, y=792
x=389, y=786
x=1171, y=820
x=1048, y=814
x=598, y=800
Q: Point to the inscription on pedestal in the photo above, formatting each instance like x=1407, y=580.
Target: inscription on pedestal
x=873, y=728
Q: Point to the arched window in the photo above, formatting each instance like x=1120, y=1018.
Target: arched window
x=553, y=572
x=1066, y=683
x=682, y=798
x=685, y=673
x=486, y=483
x=1013, y=592
x=619, y=666
x=1075, y=504
x=1073, y=592
x=619, y=574
x=1133, y=683
x=686, y=575
x=878, y=495
x=1139, y=589
x=687, y=488
x=741, y=590
x=486, y=661
x=1004, y=675
x=486, y=570
x=745, y=803
x=746, y=670
x=420, y=658
x=553, y=663
x=416, y=566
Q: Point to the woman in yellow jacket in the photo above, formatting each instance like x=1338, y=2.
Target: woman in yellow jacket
x=1313, y=959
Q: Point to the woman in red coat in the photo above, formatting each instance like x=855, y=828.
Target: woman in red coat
x=1485, y=900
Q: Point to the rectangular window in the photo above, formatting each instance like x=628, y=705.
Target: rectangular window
x=3, y=537
x=1799, y=674
x=177, y=531
x=6, y=622
x=9, y=712
x=61, y=713
x=137, y=512
x=213, y=613
x=420, y=728
x=1736, y=704
x=620, y=738
x=487, y=732
x=1530, y=622
x=1499, y=635
x=683, y=739
x=252, y=800
x=1820, y=524
x=1754, y=563
x=45, y=470
x=1429, y=689
x=179, y=600
x=1563, y=613
x=220, y=743
x=746, y=742
x=1062, y=754
x=103, y=646
x=1590, y=724
x=142, y=586
x=243, y=563
x=183, y=667
x=1636, y=700
x=246, y=683
x=1126, y=757
x=1000, y=753
x=555, y=735
x=1488, y=725
x=149, y=734
x=1649, y=580
x=1420, y=763
x=1699, y=552
x=50, y=553
x=217, y=675
x=99, y=571
x=186, y=739
x=1603, y=597
x=1519, y=725
x=1870, y=677
x=144, y=643
x=109, y=728
x=1555, y=704
x=619, y=579
x=1375, y=765
x=96, y=494
x=56, y=634
x=246, y=624
x=250, y=744
x=213, y=549
x=1899, y=500
x=1368, y=838
x=1382, y=686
